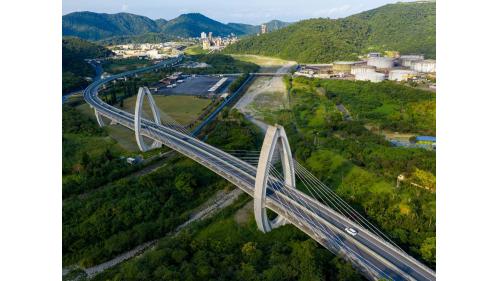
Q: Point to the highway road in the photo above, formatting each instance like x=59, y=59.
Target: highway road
x=375, y=257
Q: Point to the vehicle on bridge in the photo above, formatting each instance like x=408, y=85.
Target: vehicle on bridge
x=351, y=231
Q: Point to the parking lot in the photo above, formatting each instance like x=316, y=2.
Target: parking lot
x=196, y=86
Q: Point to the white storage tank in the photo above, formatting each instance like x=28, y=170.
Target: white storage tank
x=370, y=76
x=426, y=66
x=362, y=69
x=407, y=60
x=401, y=74
x=381, y=62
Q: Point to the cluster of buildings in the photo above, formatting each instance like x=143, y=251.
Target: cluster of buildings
x=263, y=29
x=154, y=51
x=209, y=42
x=375, y=67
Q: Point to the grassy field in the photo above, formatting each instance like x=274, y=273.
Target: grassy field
x=122, y=65
x=267, y=64
x=195, y=50
x=183, y=109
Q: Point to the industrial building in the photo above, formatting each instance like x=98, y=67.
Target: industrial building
x=401, y=74
x=381, y=62
x=426, y=66
x=370, y=76
x=362, y=68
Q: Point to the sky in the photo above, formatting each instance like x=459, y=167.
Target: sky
x=240, y=11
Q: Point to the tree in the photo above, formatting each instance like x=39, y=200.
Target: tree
x=428, y=249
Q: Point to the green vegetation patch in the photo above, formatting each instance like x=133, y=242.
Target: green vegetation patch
x=115, y=66
x=220, y=63
x=90, y=157
x=392, y=106
x=74, y=68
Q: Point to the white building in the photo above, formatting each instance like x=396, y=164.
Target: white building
x=401, y=74
x=370, y=76
x=203, y=35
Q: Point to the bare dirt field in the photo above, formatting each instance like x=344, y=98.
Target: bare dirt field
x=265, y=95
x=244, y=213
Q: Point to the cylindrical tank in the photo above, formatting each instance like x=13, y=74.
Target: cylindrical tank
x=381, y=62
x=370, y=76
x=362, y=69
x=407, y=60
x=401, y=74
x=426, y=66
x=344, y=66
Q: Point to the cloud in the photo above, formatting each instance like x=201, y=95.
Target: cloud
x=124, y=7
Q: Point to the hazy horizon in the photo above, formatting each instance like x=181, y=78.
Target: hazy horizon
x=254, y=12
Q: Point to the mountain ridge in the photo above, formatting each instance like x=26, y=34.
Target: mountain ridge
x=102, y=26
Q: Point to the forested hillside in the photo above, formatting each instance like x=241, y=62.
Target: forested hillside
x=74, y=68
x=406, y=27
x=95, y=26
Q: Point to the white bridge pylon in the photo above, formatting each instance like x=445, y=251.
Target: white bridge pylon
x=275, y=136
x=138, y=118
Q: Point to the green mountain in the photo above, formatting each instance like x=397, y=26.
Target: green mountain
x=74, y=68
x=191, y=25
x=94, y=26
x=405, y=27
x=124, y=27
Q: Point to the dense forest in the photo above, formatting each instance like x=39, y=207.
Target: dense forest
x=229, y=247
x=90, y=158
x=405, y=27
x=74, y=68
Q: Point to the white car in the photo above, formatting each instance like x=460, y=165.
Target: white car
x=351, y=231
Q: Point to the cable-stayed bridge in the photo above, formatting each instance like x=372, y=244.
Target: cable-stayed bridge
x=271, y=176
